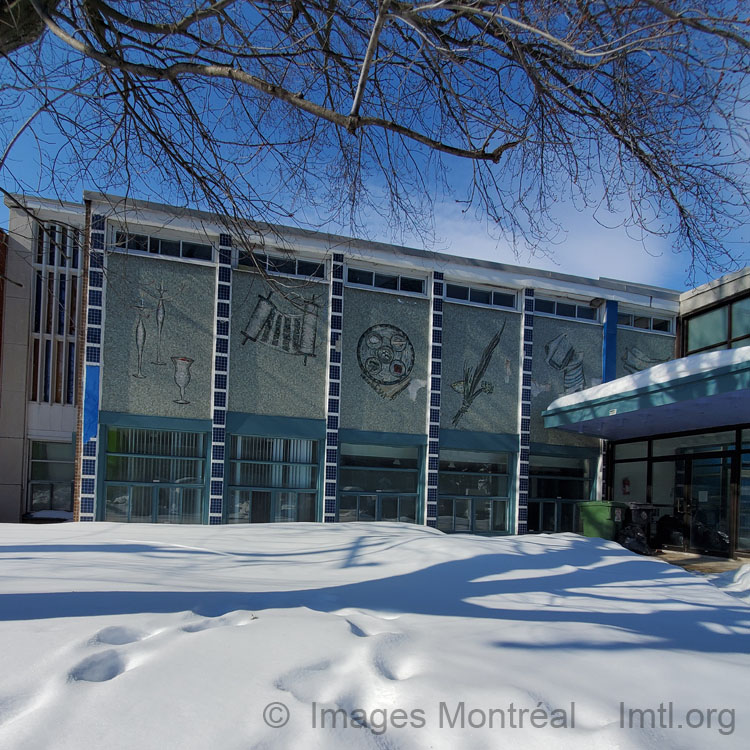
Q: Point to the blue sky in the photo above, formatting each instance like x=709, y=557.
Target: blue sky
x=587, y=245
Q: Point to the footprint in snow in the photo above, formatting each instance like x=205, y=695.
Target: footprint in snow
x=100, y=667
x=117, y=635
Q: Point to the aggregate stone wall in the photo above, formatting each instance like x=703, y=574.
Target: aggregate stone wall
x=278, y=347
x=638, y=350
x=481, y=349
x=149, y=345
x=567, y=358
x=385, y=357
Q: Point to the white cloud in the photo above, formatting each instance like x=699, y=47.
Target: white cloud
x=587, y=249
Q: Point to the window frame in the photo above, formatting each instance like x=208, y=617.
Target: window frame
x=502, y=458
x=385, y=272
x=633, y=314
x=379, y=497
x=274, y=491
x=115, y=247
x=32, y=483
x=245, y=261
x=481, y=288
x=729, y=339
x=596, y=320
x=473, y=501
x=200, y=486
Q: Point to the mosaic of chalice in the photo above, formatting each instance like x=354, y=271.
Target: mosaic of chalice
x=182, y=376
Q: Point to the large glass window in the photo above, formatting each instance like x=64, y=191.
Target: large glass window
x=378, y=483
x=51, y=476
x=272, y=480
x=630, y=482
x=707, y=329
x=692, y=483
x=56, y=310
x=741, y=319
x=557, y=485
x=723, y=327
x=743, y=542
x=154, y=476
x=473, y=492
x=705, y=442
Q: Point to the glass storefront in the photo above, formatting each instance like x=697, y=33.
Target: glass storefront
x=272, y=480
x=378, y=483
x=557, y=485
x=473, y=492
x=154, y=476
x=686, y=488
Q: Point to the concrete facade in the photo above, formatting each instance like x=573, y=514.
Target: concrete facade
x=382, y=353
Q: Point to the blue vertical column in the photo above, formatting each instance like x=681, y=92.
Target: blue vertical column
x=524, y=432
x=433, y=398
x=333, y=387
x=609, y=346
x=92, y=309
x=220, y=379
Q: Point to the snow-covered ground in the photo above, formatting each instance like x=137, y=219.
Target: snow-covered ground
x=163, y=637
x=734, y=582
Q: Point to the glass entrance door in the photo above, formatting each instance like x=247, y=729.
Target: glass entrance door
x=743, y=526
x=691, y=504
x=707, y=508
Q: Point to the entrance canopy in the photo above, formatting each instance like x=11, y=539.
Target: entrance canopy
x=702, y=391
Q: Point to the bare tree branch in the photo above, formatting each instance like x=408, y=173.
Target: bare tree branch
x=336, y=110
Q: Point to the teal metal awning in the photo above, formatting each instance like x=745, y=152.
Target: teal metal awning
x=702, y=391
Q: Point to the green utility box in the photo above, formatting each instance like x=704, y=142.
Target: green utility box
x=602, y=519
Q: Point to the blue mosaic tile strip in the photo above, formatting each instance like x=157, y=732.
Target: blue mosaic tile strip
x=525, y=414
x=92, y=314
x=335, y=326
x=433, y=402
x=221, y=368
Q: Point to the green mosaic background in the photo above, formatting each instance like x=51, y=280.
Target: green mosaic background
x=467, y=331
x=547, y=380
x=270, y=381
x=362, y=408
x=187, y=332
